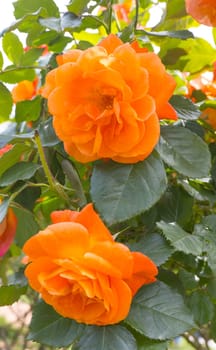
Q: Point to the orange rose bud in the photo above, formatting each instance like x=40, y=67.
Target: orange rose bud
x=25, y=90
x=80, y=270
x=209, y=115
x=107, y=100
x=7, y=231
x=203, y=11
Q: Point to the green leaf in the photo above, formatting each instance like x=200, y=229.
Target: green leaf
x=200, y=55
x=19, y=171
x=3, y=209
x=47, y=134
x=1, y=60
x=201, y=307
x=12, y=47
x=144, y=343
x=179, y=34
x=154, y=246
x=28, y=110
x=180, y=239
x=24, y=7
x=176, y=206
x=184, y=107
x=106, y=338
x=112, y=185
x=13, y=75
x=48, y=327
x=27, y=226
x=159, y=312
x=70, y=20
x=12, y=156
x=52, y=23
x=10, y=294
x=77, y=6
x=30, y=56
x=175, y=9
x=6, y=103
x=184, y=151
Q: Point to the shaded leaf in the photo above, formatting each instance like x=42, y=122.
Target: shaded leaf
x=19, y=171
x=12, y=156
x=201, y=307
x=48, y=327
x=10, y=294
x=154, y=246
x=185, y=151
x=113, y=183
x=185, y=107
x=106, y=338
x=180, y=239
x=159, y=312
x=27, y=226
x=28, y=110
x=6, y=103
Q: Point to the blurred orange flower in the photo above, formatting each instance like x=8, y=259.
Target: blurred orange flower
x=203, y=11
x=209, y=115
x=107, y=99
x=25, y=90
x=5, y=149
x=82, y=272
x=7, y=231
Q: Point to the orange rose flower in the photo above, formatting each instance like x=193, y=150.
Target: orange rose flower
x=106, y=101
x=203, y=11
x=24, y=90
x=82, y=272
x=7, y=231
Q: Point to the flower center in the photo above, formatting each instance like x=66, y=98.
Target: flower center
x=107, y=101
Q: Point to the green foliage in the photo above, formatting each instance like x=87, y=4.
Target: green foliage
x=146, y=180
x=163, y=206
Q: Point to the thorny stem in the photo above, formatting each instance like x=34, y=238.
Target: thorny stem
x=55, y=186
x=136, y=14
x=47, y=171
x=110, y=18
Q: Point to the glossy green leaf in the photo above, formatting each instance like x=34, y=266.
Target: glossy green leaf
x=47, y=133
x=27, y=226
x=12, y=157
x=176, y=205
x=185, y=107
x=10, y=294
x=70, y=21
x=106, y=338
x=184, y=151
x=1, y=60
x=144, y=343
x=6, y=103
x=179, y=34
x=201, y=307
x=154, y=246
x=52, y=23
x=159, y=312
x=48, y=327
x=12, y=47
x=77, y=6
x=24, y=7
x=13, y=75
x=180, y=239
x=30, y=56
x=3, y=209
x=113, y=183
x=19, y=171
x=28, y=110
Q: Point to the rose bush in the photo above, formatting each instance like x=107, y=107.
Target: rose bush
x=109, y=109
x=80, y=270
